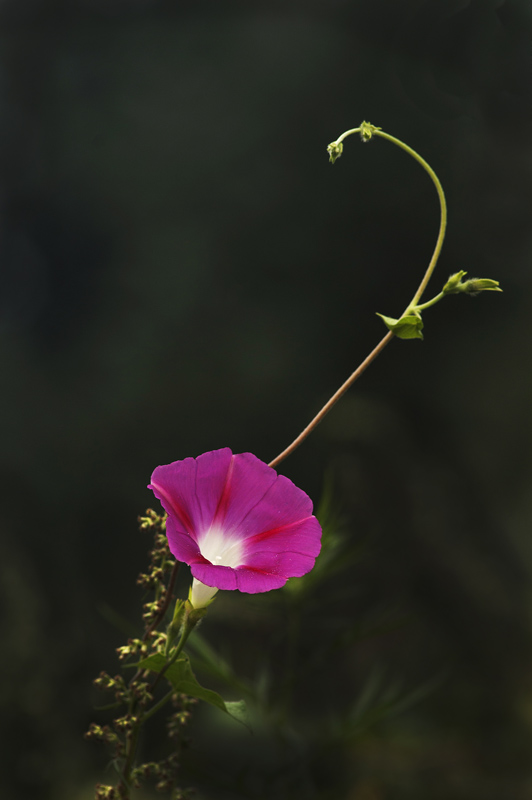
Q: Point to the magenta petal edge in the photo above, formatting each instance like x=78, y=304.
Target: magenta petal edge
x=236, y=522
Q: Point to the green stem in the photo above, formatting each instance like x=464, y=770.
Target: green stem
x=334, y=399
x=154, y=709
x=429, y=303
x=443, y=212
x=188, y=627
x=132, y=740
x=367, y=131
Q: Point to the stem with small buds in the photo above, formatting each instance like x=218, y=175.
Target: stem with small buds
x=367, y=131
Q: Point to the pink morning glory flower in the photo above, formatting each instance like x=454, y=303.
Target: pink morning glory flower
x=236, y=522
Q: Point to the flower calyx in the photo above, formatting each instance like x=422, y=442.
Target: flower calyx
x=194, y=615
x=185, y=618
x=174, y=629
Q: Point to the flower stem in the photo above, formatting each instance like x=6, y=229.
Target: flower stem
x=430, y=303
x=188, y=627
x=367, y=131
x=443, y=212
x=334, y=399
x=154, y=709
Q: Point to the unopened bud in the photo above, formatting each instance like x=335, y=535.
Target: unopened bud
x=455, y=285
x=335, y=150
x=367, y=130
x=476, y=285
x=451, y=287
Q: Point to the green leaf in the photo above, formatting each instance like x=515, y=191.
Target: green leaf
x=238, y=710
x=407, y=327
x=183, y=680
x=207, y=659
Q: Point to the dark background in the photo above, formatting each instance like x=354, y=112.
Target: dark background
x=182, y=269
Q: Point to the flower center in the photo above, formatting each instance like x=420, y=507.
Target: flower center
x=220, y=549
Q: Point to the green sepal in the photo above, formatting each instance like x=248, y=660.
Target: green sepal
x=183, y=680
x=407, y=327
x=176, y=624
x=194, y=615
x=335, y=150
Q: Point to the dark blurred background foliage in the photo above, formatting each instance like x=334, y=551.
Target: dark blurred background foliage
x=182, y=269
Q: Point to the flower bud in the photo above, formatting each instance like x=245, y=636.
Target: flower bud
x=456, y=285
x=451, y=287
x=367, y=130
x=476, y=285
x=335, y=150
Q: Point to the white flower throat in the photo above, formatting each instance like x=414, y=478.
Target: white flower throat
x=220, y=549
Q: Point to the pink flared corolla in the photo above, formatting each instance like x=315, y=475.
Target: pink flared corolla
x=236, y=522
